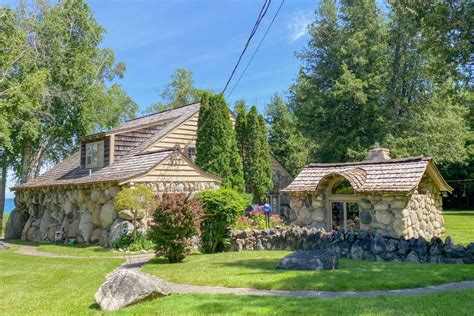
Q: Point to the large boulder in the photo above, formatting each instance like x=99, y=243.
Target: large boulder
x=107, y=214
x=4, y=246
x=15, y=224
x=86, y=226
x=309, y=260
x=119, y=229
x=125, y=287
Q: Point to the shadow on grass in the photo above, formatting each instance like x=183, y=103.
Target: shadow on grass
x=93, y=248
x=459, y=212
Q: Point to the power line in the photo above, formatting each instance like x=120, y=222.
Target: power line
x=261, y=15
x=256, y=50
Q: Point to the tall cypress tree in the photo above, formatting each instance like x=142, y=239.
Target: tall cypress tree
x=216, y=144
x=257, y=163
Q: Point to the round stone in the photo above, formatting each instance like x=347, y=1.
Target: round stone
x=365, y=217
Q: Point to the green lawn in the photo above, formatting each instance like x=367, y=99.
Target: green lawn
x=77, y=250
x=49, y=286
x=58, y=286
x=459, y=225
x=256, y=269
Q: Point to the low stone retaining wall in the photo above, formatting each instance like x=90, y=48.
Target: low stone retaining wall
x=354, y=245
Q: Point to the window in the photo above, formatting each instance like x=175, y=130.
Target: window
x=192, y=153
x=95, y=154
x=342, y=187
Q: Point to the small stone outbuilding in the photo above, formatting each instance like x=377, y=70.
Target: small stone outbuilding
x=393, y=197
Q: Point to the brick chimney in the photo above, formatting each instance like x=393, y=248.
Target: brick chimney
x=378, y=154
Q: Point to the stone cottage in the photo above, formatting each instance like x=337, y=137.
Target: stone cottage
x=75, y=199
x=393, y=197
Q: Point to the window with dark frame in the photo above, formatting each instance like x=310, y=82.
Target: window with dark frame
x=95, y=154
x=192, y=153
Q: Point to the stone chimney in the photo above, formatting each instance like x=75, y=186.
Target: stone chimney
x=378, y=154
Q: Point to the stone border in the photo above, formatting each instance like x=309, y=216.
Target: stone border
x=361, y=245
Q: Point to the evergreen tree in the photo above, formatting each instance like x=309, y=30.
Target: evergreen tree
x=287, y=144
x=240, y=110
x=216, y=144
x=338, y=98
x=257, y=166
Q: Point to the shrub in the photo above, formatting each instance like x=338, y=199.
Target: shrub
x=222, y=207
x=176, y=220
x=256, y=220
x=136, y=199
x=126, y=242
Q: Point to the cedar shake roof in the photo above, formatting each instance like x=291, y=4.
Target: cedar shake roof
x=130, y=162
x=393, y=175
x=70, y=172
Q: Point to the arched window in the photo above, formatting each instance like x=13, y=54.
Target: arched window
x=342, y=187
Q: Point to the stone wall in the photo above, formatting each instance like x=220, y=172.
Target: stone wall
x=361, y=245
x=417, y=214
x=84, y=215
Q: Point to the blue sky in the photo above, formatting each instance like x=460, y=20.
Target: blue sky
x=155, y=37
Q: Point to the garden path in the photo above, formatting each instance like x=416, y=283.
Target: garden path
x=137, y=261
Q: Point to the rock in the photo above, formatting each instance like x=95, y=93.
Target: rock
x=391, y=245
x=3, y=246
x=128, y=215
x=67, y=206
x=365, y=217
x=356, y=250
x=118, y=229
x=95, y=236
x=403, y=247
x=125, y=287
x=309, y=260
x=384, y=217
x=436, y=247
x=412, y=257
x=15, y=224
x=107, y=214
x=421, y=247
x=377, y=245
x=454, y=251
x=86, y=226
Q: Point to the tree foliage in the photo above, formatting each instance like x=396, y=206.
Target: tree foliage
x=400, y=80
x=221, y=207
x=216, y=145
x=287, y=143
x=255, y=152
x=176, y=219
x=178, y=92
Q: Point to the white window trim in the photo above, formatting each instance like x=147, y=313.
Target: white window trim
x=100, y=154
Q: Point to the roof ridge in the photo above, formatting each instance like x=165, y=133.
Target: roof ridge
x=367, y=162
x=163, y=111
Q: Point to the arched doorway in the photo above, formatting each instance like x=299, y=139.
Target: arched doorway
x=343, y=205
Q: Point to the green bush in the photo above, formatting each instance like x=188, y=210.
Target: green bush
x=221, y=207
x=126, y=242
x=176, y=220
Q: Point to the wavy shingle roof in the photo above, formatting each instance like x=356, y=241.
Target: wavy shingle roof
x=394, y=175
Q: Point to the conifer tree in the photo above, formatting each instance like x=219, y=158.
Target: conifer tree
x=216, y=144
x=257, y=164
x=286, y=143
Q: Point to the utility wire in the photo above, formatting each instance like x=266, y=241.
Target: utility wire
x=256, y=50
x=261, y=15
x=263, y=12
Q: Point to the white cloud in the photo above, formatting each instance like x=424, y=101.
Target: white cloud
x=298, y=24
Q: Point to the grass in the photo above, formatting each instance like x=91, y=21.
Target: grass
x=76, y=250
x=49, y=286
x=459, y=225
x=454, y=303
x=53, y=286
x=256, y=269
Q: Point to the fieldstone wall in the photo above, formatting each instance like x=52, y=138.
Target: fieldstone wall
x=418, y=214
x=360, y=245
x=84, y=215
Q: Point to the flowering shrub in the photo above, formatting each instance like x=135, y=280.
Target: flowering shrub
x=176, y=220
x=256, y=220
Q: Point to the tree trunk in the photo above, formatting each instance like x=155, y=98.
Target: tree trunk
x=3, y=182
